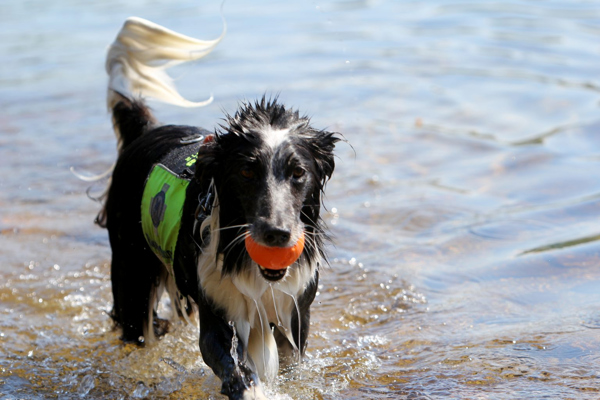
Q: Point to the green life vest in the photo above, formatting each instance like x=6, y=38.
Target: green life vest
x=162, y=207
x=164, y=197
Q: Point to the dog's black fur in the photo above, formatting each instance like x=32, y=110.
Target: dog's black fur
x=266, y=167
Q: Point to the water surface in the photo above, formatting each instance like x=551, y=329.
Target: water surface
x=464, y=209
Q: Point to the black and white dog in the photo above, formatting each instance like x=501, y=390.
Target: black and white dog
x=182, y=200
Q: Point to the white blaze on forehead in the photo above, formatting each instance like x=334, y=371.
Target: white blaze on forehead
x=274, y=137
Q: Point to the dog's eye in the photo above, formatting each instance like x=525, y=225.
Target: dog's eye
x=247, y=173
x=298, y=172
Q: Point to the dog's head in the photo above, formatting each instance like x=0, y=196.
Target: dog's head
x=269, y=168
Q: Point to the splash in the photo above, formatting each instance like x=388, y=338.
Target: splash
x=279, y=323
x=262, y=332
x=299, y=327
x=234, y=346
x=294, y=344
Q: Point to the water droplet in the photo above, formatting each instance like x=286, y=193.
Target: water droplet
x=169, y=385
x=175, y=365
x=87, y=383
x=141, y=391
x=56, y=267
x=141, y=339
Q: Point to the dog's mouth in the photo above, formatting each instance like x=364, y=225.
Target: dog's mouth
x=272, y=275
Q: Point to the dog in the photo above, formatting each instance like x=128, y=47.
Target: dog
x=182, y=201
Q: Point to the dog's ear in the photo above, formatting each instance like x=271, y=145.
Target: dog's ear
x=321, y=147
x=208, y=161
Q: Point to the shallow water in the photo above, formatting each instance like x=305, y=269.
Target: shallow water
x=466, y=257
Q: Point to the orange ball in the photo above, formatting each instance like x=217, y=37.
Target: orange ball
x=274, y=257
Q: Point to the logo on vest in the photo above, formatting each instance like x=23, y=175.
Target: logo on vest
x=158, y=207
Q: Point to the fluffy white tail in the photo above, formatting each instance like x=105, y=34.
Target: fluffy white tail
x=137, y=60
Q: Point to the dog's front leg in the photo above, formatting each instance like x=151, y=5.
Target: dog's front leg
x=228, y=363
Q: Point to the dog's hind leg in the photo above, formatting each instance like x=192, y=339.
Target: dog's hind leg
x=136, y=275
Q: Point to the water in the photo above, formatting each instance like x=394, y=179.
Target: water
x=465, y=213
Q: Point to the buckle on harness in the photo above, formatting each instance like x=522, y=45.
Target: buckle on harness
x=195, y=139
x=204, y=208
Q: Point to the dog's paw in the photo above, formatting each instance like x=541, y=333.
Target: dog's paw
x=160, y=326
x=254, y=393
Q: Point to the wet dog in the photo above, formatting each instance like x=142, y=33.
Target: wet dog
x=182, y=202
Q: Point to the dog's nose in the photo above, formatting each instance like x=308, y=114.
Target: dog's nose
x=276, y=237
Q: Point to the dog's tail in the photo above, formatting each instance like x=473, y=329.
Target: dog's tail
x=136, y=64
